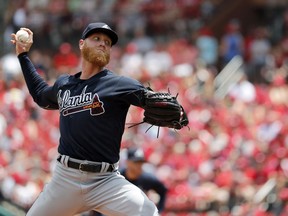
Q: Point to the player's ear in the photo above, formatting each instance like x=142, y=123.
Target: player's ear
x=81, y=43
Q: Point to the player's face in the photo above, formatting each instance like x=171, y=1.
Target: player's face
x=135, y=168
x=96, y=49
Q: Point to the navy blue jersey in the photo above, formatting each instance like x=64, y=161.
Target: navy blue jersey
x=92, y=112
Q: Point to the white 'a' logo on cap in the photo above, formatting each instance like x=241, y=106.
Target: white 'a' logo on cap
x=105, y=26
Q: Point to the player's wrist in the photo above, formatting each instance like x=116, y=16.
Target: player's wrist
x=21, y=54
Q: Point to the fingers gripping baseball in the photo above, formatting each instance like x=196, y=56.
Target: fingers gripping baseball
x=22, y=40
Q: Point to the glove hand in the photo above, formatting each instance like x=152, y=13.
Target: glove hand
x=163, y=110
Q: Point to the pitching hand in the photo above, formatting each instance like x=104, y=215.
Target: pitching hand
x=22, y=46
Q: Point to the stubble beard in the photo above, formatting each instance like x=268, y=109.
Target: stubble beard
x=95, y=57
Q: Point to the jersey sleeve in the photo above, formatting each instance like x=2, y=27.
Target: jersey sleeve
x=131, y=91
x=43, y=94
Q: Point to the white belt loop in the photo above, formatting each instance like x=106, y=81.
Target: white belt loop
x=115, y=166
x=64, y=160
x=104, y=167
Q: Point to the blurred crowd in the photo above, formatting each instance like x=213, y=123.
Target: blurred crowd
x=233, y=157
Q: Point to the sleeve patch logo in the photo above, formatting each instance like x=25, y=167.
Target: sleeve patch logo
x=84, y=102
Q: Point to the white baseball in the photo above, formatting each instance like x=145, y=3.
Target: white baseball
x=22, y=35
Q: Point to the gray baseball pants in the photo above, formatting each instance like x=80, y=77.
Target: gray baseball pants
x=71, y=191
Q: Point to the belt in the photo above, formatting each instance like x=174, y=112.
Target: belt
x=86, y=166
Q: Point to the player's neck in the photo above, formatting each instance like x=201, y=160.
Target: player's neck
x=89, y=70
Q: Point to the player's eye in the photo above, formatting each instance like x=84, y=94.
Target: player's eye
x=107, y=43
x=98, y=39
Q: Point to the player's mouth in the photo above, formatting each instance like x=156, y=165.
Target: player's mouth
x=101, y=50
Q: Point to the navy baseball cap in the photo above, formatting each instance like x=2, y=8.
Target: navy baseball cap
x=136, y=154
x=100, y=27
